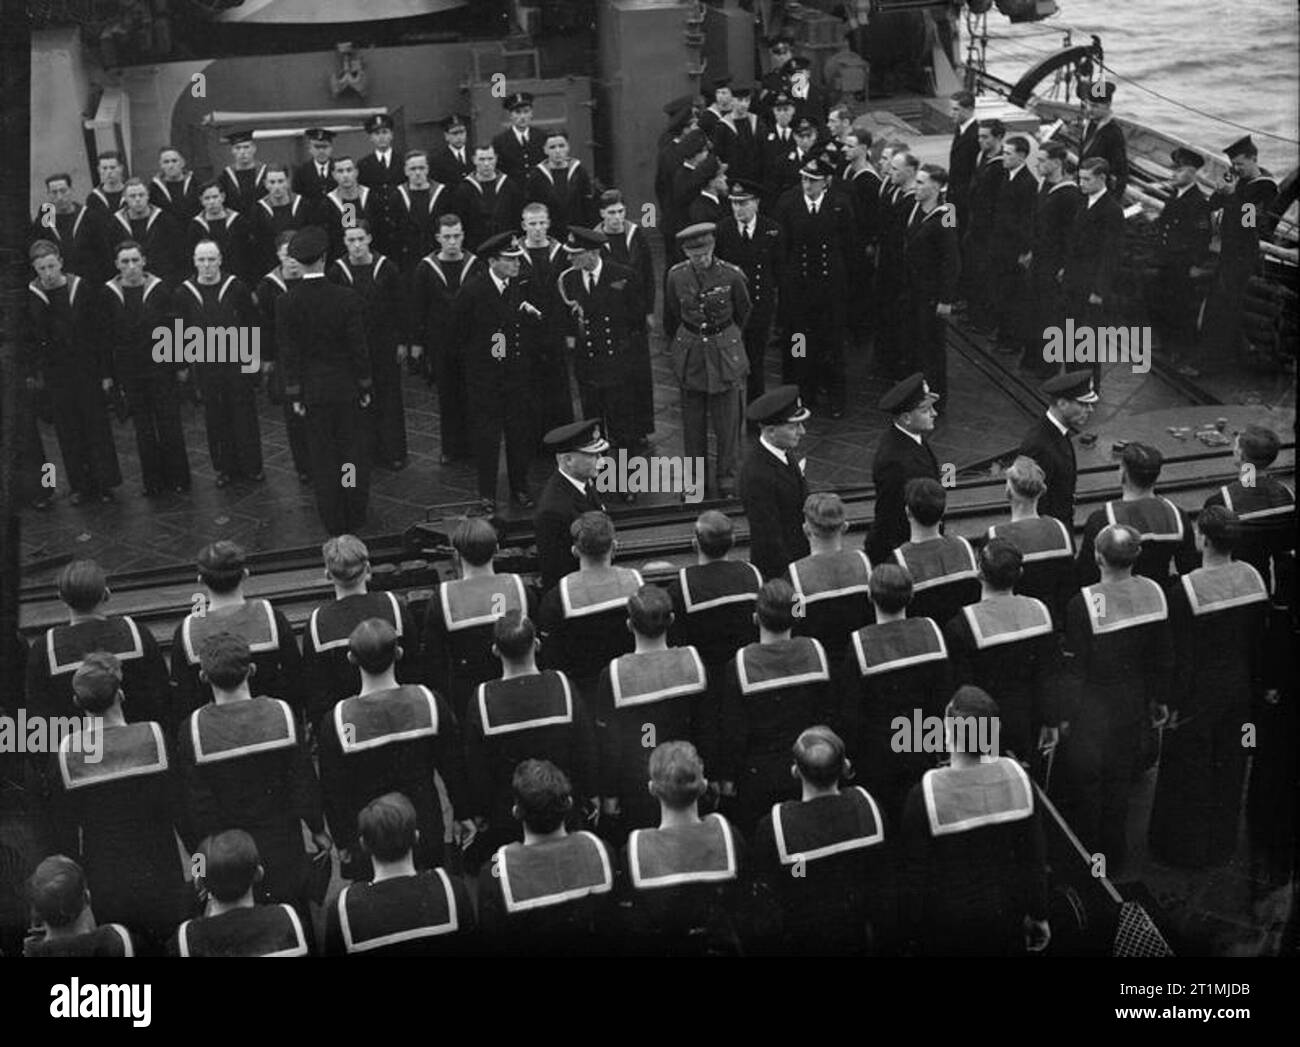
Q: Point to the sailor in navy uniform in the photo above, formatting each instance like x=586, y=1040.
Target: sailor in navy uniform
x=459, y=620
x=718, y=95
x=974, y=872
x=488, y=201
x=1073, y=398
x=543, y=261
x=278, y=210
x=1102, y=137
x=896, y=202
x=499, y=322
x=1219, y=613
x=561, y=183
x=401, y=911
x=383, y=291
x=382, y=171
x=80, y=233
x=243, y=183
x=1265, y=507
x=683, y=185
x=1059, y=200
x=627, y=244
x=1013, y=240
x=1046, y=545
x=824, y=857
x=413, y=211
x=107, y=195
x=1184, y=235
x=1005, y=645
x=652, y=693
x=568, y=494
x=136, y=305
x=450, y=162
x=60, y=652
x=160, y=236
x=862, y=184
x=1119, y=653
x=346, y=205
x=1168, y=545
x=933, y=267
x=315, y=178
x=325, y=354
x=773, y=690
x=391, y=737
x=895, y=666
x=819, y=226
x=738, y=136
x=1245, y=199
x=552, y=894
x=234, y=924
x=328, y=675
x=713, y=611
x=684, y=881
x=831, y=583
x=224, y=609
x=118, y=807
x=67, y=352
x=244, y=762
x=772, y=484
x=521, y=146
x=527, y=714
x=942, y=567
x=1089, y=274
x=173, y=188
x=435, y=286
x=604, y=314
x=977, y=227
x=582, y=618
x=756, y=245
x=63, y=923
x=228, y=229
x=901, y=455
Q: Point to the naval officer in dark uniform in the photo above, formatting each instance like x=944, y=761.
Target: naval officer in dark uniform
x=1048, y=443
x=321, y=334
x=1184, y=253
x=772, y=484
x=1102, y=137
x=568, y=494
x=755, y=244
x=902, y=455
